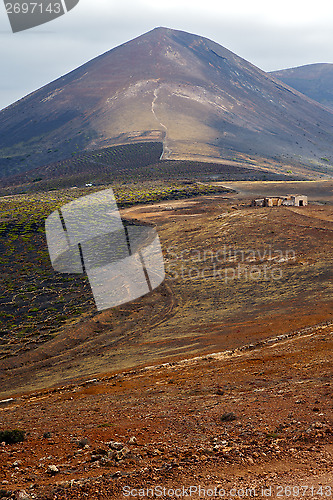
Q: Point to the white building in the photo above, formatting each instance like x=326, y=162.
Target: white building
x=295, y=200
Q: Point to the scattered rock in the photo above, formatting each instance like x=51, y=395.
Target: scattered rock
x=120, y=455
x=115, y=455
x=318, y=425
x=93, y=380
x=6, y=401
x=115, y=445
x=52, y=470
x=116, y=474
x=106, y=461
x=82, y=442
x=23, y=495
x=98, y=454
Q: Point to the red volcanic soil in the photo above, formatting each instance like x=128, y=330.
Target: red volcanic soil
x=249, y=419
x=189, y=393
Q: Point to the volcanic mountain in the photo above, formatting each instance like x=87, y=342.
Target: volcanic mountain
x=200, y=99
x=313, y=80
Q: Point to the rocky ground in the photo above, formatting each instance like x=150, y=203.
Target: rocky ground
x=255, y=421
x=202, y=389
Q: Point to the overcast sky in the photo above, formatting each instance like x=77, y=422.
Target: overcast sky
x=271, y=35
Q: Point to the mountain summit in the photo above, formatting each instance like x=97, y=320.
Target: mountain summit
x=313, y=80
x=200, y=99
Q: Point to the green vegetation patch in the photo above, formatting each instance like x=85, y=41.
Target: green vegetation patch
x=35, y=301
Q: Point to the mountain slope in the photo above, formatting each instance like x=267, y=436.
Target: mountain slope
x=313, y=80
x=204, y=102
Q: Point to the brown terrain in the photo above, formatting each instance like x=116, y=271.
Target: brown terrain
x=221, y=378
x=217, y=384
x=202, y=101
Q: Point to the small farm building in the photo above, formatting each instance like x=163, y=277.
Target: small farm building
x=292, y=200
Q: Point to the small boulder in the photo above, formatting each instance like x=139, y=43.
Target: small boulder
x=82, y=442
x=52, y=470
x=23, y=495
x=115, y=445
